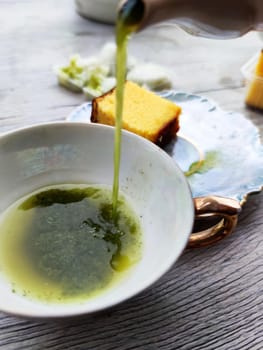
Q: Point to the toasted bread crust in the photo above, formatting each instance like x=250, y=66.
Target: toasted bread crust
x=167, y=133
x=95, y=106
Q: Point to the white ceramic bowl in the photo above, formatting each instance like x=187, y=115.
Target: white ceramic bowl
x=57, y=153
x=99, y=10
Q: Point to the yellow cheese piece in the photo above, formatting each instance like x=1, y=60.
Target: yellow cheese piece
x=254, y=96
x=255, y=93
x=259, y=66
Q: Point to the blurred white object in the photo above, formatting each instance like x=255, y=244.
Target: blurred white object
x=150, y=75
x=95, y=75
x=100, y=10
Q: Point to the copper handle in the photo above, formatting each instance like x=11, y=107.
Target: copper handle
x=224, y=210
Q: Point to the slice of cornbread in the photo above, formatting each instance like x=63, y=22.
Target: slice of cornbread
x=144, y=113
x=254, y=96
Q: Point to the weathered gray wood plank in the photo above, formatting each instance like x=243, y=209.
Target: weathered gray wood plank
x=213, y=297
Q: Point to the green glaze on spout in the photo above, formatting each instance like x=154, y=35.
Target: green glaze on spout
x=131, y=13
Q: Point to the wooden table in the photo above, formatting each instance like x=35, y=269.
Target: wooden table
x=212, y=298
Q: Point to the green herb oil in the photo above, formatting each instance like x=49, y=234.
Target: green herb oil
x=211, y=160
x=121, y=59
x=127, y=23
x=61, y=244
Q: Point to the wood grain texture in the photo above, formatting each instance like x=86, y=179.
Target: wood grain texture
x=212, y=299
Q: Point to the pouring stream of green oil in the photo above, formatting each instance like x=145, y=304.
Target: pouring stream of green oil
x=121, y=58
x=127, y=22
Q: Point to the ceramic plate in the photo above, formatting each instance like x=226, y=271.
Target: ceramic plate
x=220, y=152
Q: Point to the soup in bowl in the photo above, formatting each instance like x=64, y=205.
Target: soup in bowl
x=62, y=252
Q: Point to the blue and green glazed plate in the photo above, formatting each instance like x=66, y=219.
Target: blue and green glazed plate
x=220, y=152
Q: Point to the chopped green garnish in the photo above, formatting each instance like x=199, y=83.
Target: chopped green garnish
x=95, y=81
x=211, y=160
x=73, y=70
